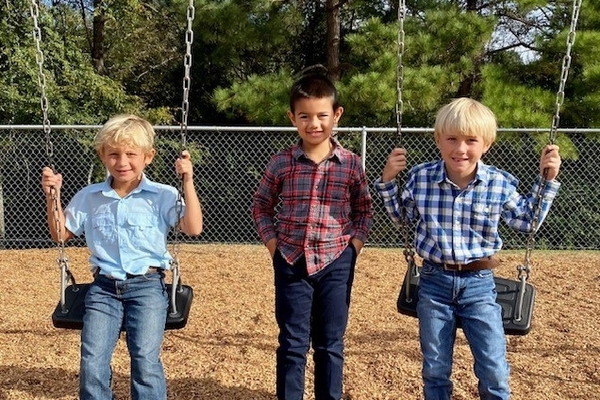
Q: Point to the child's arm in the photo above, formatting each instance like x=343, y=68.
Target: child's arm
x=263, y=206
x=519, y=211
x=51, y=180
x=191, y=222
x=387, y=187
x=272, y=246
x=362, y=209
x=395, y=164
x=550, y=162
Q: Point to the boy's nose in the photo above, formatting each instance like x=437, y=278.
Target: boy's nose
x=314, y=122
x=462, y=146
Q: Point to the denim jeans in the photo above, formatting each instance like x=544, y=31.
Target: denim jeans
x=312, y=307
x=144, y=302
x=446, y=297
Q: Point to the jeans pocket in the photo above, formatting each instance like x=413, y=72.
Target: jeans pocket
x=428, y=269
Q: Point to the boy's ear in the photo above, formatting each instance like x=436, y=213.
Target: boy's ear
x=487, y=147
x=337, y=114
x=292, y=117
x=149, y=156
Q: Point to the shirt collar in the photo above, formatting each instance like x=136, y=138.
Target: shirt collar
x=298, y=152
x=145, y=185
x=439, y=172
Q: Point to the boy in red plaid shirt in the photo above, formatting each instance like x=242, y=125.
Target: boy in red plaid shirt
x=321, y=227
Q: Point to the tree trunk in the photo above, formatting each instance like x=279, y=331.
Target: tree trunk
x=98, y=38
x=333, y=38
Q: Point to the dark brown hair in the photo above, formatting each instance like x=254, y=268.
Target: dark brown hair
x=314, y=84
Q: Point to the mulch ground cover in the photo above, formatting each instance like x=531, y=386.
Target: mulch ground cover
x=227, y=349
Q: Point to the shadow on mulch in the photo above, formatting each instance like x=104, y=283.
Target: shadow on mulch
x=58, y=383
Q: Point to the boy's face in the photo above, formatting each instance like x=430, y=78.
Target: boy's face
x=461, y=154
x=125, y=164
x=315, y=119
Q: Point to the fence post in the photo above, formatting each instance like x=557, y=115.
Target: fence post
x=363, y=148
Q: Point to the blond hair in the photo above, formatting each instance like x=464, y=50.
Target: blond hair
x=125, y=130
x=468, y=117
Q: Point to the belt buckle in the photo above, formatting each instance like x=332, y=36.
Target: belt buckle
x=455, y=267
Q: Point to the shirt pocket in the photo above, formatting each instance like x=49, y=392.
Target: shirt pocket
x=485, y=214
x=338, y=191
x=144, y=231
x=104, y=228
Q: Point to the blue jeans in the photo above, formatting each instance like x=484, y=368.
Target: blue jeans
x=446, y=297
x=144, y=302
x=312, y=307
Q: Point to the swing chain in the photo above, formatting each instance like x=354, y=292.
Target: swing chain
x=409, y=253
x=400, y=68
x=187, y=62
x=185, y=107
x=39, y=58
x=62, y=260
x=189, y=38
x=525, y=268
x=566, y=64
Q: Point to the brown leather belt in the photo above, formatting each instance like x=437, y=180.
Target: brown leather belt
x=477, y=265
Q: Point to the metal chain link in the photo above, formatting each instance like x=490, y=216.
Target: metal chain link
x=185, y=107
x=566, y=64
x=400, y=68
x=39, y=58
x=409, y=252
x=187, y=62
x=525, y=268
x=62, y=260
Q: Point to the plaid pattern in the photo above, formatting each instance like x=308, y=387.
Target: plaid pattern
x=459, y=226
x=323, y=205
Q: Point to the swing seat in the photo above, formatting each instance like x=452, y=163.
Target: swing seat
x=508, y=298
x=72, y=318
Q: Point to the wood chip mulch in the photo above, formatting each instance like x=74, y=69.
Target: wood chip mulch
x=227, y=349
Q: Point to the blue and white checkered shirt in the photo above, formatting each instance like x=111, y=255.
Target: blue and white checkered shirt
x=456, y=225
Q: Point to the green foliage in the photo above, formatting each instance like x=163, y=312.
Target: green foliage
x=259, y=99
x=245, y=55
x=515, y=103
x=76, y=94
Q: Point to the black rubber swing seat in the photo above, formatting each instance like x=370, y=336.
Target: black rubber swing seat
x=72, y=317
x=508, y=297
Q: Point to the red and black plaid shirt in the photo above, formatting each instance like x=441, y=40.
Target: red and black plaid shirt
x=323, y=205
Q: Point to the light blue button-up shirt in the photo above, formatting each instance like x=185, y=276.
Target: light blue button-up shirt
x=124, y=235
x=457, y=226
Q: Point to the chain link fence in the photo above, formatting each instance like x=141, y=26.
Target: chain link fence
x=229, y=162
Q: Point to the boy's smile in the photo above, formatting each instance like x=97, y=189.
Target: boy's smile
x=315, y=119
x=126, y=165
x=461, y=154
